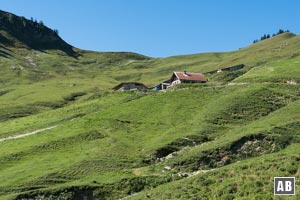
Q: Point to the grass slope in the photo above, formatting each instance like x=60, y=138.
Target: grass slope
x=117, y=137
x=33, y=81
x=232, y=134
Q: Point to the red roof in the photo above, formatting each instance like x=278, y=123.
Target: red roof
x=188, y=76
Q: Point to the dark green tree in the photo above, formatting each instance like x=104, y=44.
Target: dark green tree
x=280, y=31
x=41, y=23
x=55, y=31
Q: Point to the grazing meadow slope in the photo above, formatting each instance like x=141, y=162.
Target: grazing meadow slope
x=78, y=139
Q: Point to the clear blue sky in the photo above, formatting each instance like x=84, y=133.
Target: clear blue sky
x=161, y=28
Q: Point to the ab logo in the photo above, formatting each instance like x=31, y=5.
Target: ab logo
x=284, y=185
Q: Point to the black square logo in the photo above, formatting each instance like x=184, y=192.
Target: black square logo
x=284, y=185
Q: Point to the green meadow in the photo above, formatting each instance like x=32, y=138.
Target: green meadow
x=224, y=139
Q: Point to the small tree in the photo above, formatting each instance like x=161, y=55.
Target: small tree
x=55, y=31
x=263, y=37
x=280, y=31
x=41, y=23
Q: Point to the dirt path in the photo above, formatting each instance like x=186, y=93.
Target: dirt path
x=232, y=84
x=288, y=82
x=26, y=134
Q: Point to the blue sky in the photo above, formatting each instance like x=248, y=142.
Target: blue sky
x=161, y=28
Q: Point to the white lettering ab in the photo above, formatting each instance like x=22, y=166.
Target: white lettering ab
x=288, y=186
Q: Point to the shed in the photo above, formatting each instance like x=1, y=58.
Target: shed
x=228, y=69
x=162, y=86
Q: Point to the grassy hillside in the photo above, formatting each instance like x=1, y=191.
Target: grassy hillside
x=225, y=139
x=28, y=74
x=110, y=146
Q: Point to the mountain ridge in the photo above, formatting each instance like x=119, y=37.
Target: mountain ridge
x=32, y=34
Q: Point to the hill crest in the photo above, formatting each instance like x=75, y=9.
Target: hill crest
x=20, y=32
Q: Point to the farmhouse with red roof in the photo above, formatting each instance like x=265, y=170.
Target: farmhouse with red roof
x=181, y=77
x=187, y=77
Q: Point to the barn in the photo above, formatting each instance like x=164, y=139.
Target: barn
x=130, y=86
